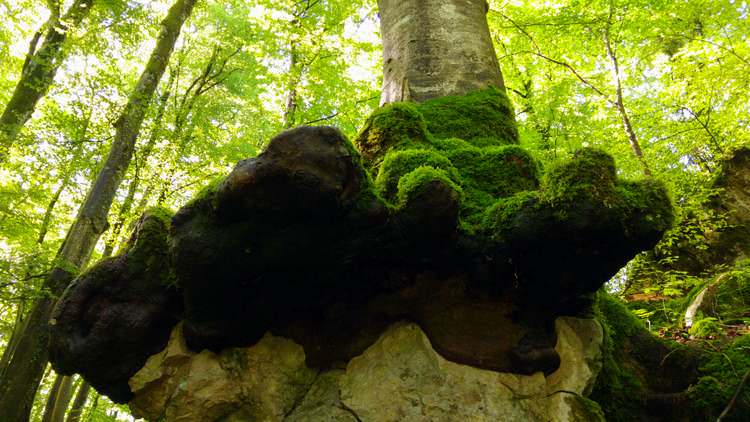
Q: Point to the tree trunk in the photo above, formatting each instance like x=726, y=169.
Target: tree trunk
x=51, y=397
x=38, y=72
x=18, y=327
x=58, y=399
x=433, y=48
x=17, y=389
x=76, y=411
x=47, y=373
x=127, y=203
x=63, y=400
x=292, y=94
x=620, y=102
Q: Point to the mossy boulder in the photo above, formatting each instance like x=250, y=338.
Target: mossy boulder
x=652, y=379
x=442, y=220
x=391, y=127
x=113, y=317
x=482, y=118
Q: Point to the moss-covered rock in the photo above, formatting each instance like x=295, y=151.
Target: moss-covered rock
x=391, y=127
x=113, y=317
x=648, y=378
x=482, y=119
x=429, y=202
x=400, y=163
x=460, y=231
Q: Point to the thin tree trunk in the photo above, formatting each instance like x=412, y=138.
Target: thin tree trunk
x=620, y=104
x=76, y=411
x=51, y=397
x=64, y=395
x=58, y=399
x=444, y=49
x=17, y=389
x=49, y=212
x=39, y=409
x=292, y=93
x=38, y=72
x=127, y=204
x=18, y=327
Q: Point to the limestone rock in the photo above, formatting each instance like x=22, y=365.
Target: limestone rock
x=259, y=383
x=399, y=378
x=322, y=403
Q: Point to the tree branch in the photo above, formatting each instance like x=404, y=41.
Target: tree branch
x=736, y=395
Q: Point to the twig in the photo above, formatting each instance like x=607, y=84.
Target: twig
x=732, y=402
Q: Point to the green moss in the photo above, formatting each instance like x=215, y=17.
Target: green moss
x=730, y=299
x=491, y=173
x=585, y=409
x=395, y=126
x=501, y=171
x=590, y=175
x=412, y=184
x=400, y=163
x=164, y=215
x=638, y=365
x=152, y=231
x=468, y=137
x=508, y=214
x=721, y=374
x=482, y=118
x=148, y=249
x=646, y=204
x=451, y=144
x=618, y=390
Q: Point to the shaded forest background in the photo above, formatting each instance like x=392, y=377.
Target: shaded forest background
x=660, y=85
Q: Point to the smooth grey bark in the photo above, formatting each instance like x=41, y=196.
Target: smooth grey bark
x=18, y=387
x=434, y=48
x=39, y=72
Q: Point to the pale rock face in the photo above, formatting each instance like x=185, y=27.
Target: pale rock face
x=259, y=383
x=399, y=378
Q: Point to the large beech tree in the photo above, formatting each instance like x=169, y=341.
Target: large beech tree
x=27, y=365
x=433, y=48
